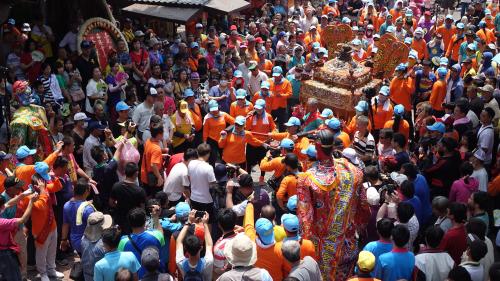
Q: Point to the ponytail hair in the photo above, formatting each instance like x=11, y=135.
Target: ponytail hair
x=397, y=122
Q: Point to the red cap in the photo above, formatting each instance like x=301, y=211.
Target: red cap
x=259, y=40
x=199, y=232
x=19, y=86
x=233, y=27
x=427, y=13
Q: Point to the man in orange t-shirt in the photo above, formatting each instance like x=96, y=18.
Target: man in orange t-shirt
x=152, y=162
x=261, y=231
x=241, y=106
x=447, y=30
x=438, y=93
x=291, y=225
x=282, y=90
x=402, y=87
x=233, y=143
x=44, y=225
x=260, y=123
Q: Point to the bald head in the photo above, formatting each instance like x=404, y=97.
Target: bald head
x=268, y=212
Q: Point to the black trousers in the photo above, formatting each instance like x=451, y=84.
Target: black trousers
x=280, y=115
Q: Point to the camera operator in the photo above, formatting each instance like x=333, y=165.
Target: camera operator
x=242, y=191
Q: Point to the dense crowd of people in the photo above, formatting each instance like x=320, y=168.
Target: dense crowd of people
x=153, y=167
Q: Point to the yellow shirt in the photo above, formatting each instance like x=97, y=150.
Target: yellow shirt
x=184, y=126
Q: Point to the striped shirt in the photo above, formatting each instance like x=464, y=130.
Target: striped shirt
x=363, y=144
x=48, y=97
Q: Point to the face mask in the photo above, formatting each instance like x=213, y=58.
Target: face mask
x=418, y=36
x=223, y=83
x=85, y=125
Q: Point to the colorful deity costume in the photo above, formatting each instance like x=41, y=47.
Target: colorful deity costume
x=331, y=207
x=29, y=127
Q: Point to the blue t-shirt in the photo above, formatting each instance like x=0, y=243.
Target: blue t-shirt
x=417, y=205
x=295, y=86
x=106, y=268
x=378, y=248
x=423, y=193
x=149, y=238
x=395, y=265
x=69, y=217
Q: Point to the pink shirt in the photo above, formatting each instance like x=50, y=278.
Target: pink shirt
x=8, y=228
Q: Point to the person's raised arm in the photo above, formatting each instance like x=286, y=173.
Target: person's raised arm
x=27, y=212
x=208, y=237
x=191, y=219
x=229, y=194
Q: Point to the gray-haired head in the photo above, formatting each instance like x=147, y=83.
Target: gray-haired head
x=291, y=251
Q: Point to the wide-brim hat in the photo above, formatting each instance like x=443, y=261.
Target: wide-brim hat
x=96, y=223
x=241, y=251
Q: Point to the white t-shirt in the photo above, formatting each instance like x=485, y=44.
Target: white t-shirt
x=200, y=174
x=176, y=180
x=482, y=176
x=255, y=81
x=485, y=139
x=142, y=115
x=93, y=92
x=207, y=269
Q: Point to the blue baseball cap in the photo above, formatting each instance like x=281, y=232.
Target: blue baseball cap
x=346, y=20
x=213, y=105
x=437, y=126
x=96, y=125
x=291, y=205
x=384, y=90
x=188, y=93
x=293, y=121
x=332, y=1
x=413, y=54
x=241, y=94
x=401, y=67
x=42, y=169
x=194, y=45
x=277, y=71
x=265, y=230
x=333, y=123
x=460, y=25
x=449, y=17
x=287, y=144
x=409, y=13
x=240, y=120
x=265, y=85
x=309, y=151
x=326, y=113
x=121, y=106
x=443, y=61
x=182, y=210
x=408, y=40
x=442, y=72
x=24, y=151
x=11, y=21
x=361, y=106
x=260, y=104
x=391, y=29
x=290, y=222
x=399, y=109
x=316, y=45
x=356, y=42
x=237, y=73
